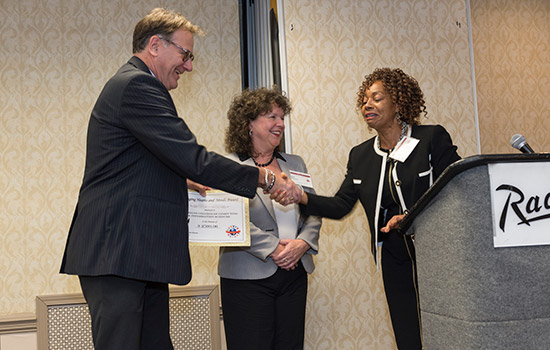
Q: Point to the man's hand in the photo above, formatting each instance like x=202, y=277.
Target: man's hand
x=285, y=191
x=192, y=185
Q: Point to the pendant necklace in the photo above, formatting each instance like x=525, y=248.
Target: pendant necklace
x=404, y=127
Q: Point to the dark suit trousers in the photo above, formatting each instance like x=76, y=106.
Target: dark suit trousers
x=265, y=314
x=401, y=288
x=127, y=314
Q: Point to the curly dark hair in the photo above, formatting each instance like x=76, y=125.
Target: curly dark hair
x=403, y=89
x=247, y=107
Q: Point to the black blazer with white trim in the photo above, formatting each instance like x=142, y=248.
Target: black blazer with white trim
x=366, y=171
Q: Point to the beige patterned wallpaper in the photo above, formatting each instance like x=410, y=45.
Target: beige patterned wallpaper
x=512, y=64
x=56, y=56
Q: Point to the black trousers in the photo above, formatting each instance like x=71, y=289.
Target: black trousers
x=266, y=314
x=401, y=288
x=127, y=314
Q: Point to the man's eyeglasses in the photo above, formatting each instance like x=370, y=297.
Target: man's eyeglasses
x=187, y=55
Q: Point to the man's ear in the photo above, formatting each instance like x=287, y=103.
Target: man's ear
x=153, y=45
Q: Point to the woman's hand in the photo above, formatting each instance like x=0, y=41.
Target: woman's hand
x=289, y=252
x=285, y=190
x=280, y=197
x=393, y=223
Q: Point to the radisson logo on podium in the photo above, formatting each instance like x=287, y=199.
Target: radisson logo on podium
x=520, y=197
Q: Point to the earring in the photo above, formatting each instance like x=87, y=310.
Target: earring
x=250, y=133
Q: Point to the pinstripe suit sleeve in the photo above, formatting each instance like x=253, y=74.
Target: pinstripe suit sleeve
x=151, y=118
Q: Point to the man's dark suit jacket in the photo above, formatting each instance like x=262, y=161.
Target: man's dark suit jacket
x=132, y=211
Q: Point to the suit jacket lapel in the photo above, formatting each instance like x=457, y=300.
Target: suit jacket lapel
x=264, y=198
x=285, y=168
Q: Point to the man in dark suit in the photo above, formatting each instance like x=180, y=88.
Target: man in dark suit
x=129, y=236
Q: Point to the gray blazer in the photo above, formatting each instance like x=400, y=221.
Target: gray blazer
x=254, y=262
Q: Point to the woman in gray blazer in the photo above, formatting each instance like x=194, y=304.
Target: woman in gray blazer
x=264, y=286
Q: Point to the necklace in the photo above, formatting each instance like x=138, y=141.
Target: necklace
x=264, y=164
x=404, y=127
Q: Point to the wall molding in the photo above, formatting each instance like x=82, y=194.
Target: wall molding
x=18, y=323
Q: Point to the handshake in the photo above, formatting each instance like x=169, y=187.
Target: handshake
x=281, y=189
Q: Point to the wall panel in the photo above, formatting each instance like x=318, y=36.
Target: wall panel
x=512, y=65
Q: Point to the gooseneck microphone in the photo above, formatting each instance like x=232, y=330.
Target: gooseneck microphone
x=518, y=142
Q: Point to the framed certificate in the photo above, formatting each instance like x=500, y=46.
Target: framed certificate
x=219, y=219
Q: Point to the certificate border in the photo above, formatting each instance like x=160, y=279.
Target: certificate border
x=246, y=223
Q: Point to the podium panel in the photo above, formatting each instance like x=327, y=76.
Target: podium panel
x=473, y=295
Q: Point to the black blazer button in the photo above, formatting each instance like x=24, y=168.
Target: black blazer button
x=398, y=183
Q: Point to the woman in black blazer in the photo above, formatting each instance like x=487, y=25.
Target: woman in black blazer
x=388, y=173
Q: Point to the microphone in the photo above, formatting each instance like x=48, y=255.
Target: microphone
x=518, y=142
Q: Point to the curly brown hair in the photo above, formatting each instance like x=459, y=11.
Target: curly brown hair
x=403, y=89
x=247, y=107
